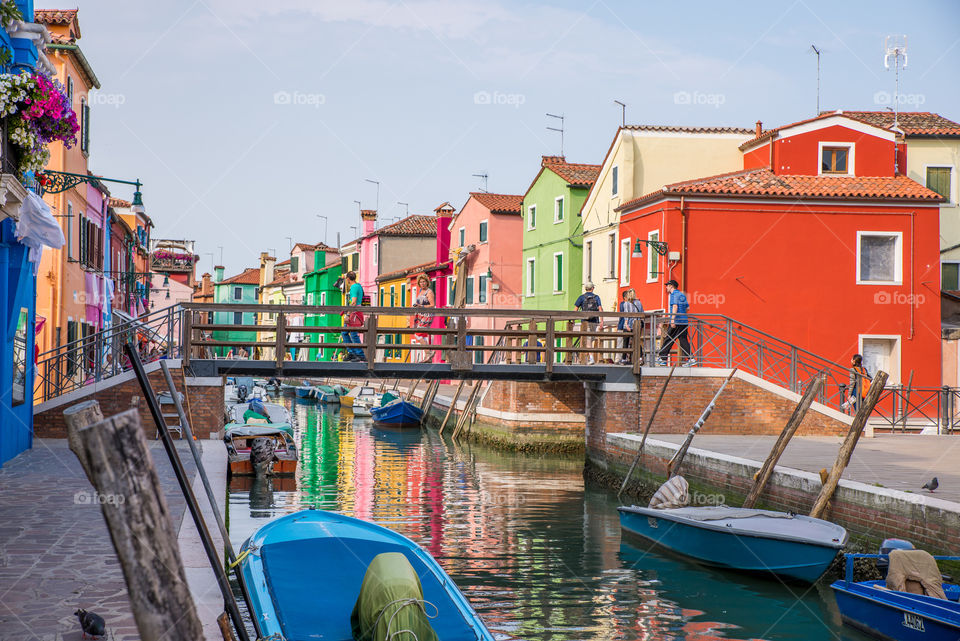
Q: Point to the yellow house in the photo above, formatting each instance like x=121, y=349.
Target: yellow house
x=640, y=160
x=392, y=291
x=270, y=292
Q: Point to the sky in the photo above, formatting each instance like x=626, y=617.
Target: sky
x=249, y=121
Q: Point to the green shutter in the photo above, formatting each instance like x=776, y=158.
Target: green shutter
x=938, y=179
x=294, y=263
x=403, y=295
x=469, y=290
x=85, y=128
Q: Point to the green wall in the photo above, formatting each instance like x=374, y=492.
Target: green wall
x=224, y=294
x=319, y=286
x=548, y=238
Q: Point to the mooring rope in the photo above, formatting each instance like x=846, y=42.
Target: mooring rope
x=404, y=603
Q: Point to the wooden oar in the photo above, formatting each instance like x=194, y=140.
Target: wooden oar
x=674, y=465
x=646, y=430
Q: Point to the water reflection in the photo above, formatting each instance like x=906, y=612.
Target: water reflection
x=538, y=555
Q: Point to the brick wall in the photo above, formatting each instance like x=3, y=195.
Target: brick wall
x=206, y=404
x=549, y=398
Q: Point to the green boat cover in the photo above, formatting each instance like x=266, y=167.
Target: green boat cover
x=255, y=415
x=387, y=397
x=390, y=605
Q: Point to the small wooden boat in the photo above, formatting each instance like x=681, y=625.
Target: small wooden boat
x=288, y=390
x=363, y=392
x=787, y=545
x=361, y=409
x=239, y=440
x=326, y=394
x=305, y=391
x=398, y=413
x=303, y=586
x=901, y=616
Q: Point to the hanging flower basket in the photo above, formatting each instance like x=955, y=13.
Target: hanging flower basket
x=38, y=113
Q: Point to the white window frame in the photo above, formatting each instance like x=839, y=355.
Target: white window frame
x=235, y=318
x=588, y=259
x=323, y=298
x=483, y=223
x=953, y=181
x=531, y=217
x=947, y=262
x=463, y=236
x=898, y=264
x=895, y=377
x=482, y=281
x=531, y=274
x=851, y=165
x=624, y=257
x=615, y=181
x=237, y=290
x=559, y=200
x=375, y=247
x=652, y=255
x=558, y=290
x=612, y=258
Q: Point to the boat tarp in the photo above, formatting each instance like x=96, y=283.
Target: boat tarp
x=915, y=571
x=252, y=430
x=391, y=601
x=672, y=494
x=721, y=513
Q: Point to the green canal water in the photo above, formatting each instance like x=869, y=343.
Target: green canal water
x=538, y=554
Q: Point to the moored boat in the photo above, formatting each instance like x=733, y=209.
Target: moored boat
x=303, y=586
x=398, y=413
x=239, y=440
x=363, y=392
x=305, y=391
x=361, y=409
x=273, y=412
x=327, y=394
x=788, y=545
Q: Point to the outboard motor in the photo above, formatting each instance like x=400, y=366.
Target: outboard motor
x=883, y=564
x=241, y=393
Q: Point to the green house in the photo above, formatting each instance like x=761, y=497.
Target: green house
x=238, y=289
x=553, y=234
x=320, y=288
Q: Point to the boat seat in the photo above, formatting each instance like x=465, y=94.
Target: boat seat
x=916, y=572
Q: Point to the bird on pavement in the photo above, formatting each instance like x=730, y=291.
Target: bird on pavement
x=931, y=485
x=90, y=623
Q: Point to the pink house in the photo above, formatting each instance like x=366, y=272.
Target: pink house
x=440, y=271
x=487, y=235
x=393, y=247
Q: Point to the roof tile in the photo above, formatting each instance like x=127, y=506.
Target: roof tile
x=249, y=276
x=912, y=123
x=54, y=16
x=691, y=130
x=412, y=225
x=576, y=174
x=499, y=203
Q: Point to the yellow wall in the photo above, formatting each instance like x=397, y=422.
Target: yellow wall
x=647, y=160
x=394, y=321
x=944, y=152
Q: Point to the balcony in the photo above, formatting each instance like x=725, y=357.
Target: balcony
x=167, y=261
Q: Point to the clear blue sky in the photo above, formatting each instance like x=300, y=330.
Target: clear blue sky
x=247, y=118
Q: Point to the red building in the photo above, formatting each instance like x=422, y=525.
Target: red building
x=821, y=240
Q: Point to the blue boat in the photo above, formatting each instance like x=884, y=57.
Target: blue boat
x=305, y=571
x=326, y=394
x=397, y=413
x=305, y=391
x=788, y=545
x=898, y=616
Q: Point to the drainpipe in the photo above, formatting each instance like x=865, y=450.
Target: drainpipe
x=913, y=264
x=683, y=246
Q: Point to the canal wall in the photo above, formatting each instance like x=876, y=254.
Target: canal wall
x=120, y=393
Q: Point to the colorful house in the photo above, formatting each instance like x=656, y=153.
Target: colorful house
x=819, y=239
x=639, y=160
x=439, y=271
x=393, y=291
x=552, y=233
x=391, y=247
x=322, y=287
x=238, y=289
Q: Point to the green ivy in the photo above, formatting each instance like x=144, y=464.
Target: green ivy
x=9, y=12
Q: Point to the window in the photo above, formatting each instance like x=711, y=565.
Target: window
x=84, y=126
x=463, y=236
x=70, y=90
x=393, y=295
x=355, y=262
x=69, y=230
x=938, y=179
x=531, y=275
x=20, y=359
x=950, y=277
x=615, y=181
x=323, y=298
x=588, y=261
x=532, y=217
x=653, y=258
x=612, y=256
x=558, y=210
x=833, y=160
x=482, y=288
x=478, y=355
x=403, y=295
x=451, y=290
x=625, y=261
x=294, y=264
x=881, y=353
x=469, y=290
x=238, y=318
x=879, y=258
x=558, y=272
x=380, y=298
x=376, y=254
x=483, y=231
x=237, y=293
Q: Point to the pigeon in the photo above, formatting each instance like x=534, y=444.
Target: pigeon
x=91, y=624
x=931, y=485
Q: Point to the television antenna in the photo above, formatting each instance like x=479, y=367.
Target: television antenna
x=895, y=47
x=817, y=51
x=407, y=205
x=484, y=176
x=623, y=113
x=560, y=129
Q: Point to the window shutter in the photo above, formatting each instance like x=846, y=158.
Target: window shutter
x=938, y=179
x=85, y=129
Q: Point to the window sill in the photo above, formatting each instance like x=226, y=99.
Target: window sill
x=558, y=292
x=883, y=283
x=557, y=222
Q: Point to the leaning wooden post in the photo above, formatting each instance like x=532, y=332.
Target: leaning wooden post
x=77, y=417
x=466, y=411
x=673, y=467
x=788, y=431
x=646, y=431
x=846, y=450
x=453, y=404
x=141, y=528
x=281, y=345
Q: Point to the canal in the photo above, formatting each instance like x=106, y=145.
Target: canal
x=538, y=554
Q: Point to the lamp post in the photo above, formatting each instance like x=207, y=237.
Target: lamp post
x=54, y=182
x=656, y=245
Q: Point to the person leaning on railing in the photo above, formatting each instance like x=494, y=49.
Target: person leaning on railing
x=629, y=305
x=353, y=320
x=859, y=383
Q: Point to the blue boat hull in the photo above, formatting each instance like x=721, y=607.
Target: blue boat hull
x=398, y=413
x=304, y=392
x=787, y=559
x=304, y=573
x=898, y=616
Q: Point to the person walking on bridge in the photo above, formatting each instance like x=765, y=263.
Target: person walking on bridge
x=589, y=302
x=676, y=326
x=353, y=320
x=859, y=383
x=629, y=305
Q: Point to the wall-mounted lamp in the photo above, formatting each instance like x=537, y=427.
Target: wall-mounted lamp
x=659, y=247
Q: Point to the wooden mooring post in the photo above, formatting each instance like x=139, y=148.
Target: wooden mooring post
x=453, y=405
x=643, y=440
x=673, y=467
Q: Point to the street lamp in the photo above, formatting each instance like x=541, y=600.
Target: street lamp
x=50, y=181
x=656, y=245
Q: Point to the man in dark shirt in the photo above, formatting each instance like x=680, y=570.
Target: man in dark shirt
x=589, y=302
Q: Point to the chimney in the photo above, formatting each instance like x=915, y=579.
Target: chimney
x=369, y=221
x=218, y=270
x=759, y=130
x=206, y=287
x=444, y=214
x=552, y=160
x=266, y=268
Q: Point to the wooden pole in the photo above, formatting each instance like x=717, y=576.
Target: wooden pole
x=186, y=393
x=788, y=431
x=846, y=450
x=906, y=402
x=77, y=417
x=453, y=404
x=141, y=528
x=411, y=390
x=466, y=410
x=673, y=466
x=646, y=430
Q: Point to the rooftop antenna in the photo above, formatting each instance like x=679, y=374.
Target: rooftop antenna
x=291, y=242
x=377, y=183
x=623, y=113
x=221, y=253
x=483, y=177
x=817, y=51
x=210, y=254
x=407, y=205
x=560, y=129
x=895, y=47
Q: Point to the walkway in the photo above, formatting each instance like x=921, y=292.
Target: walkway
x=896, y=461
x=55, y=550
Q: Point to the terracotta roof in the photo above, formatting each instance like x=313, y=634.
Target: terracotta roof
x=499, y=203
x=763, y=182
x=576, y=174
x=282, y=262
x=281, y=277
x=54, y=16
x=119, y=202
x=691, y=130
x=62, y=39
x=249, y=276
x=912, y=123
x=403, y=272
x=412, y=225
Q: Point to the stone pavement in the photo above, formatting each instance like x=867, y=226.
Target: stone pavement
x=895, y=461
x=55, y=550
